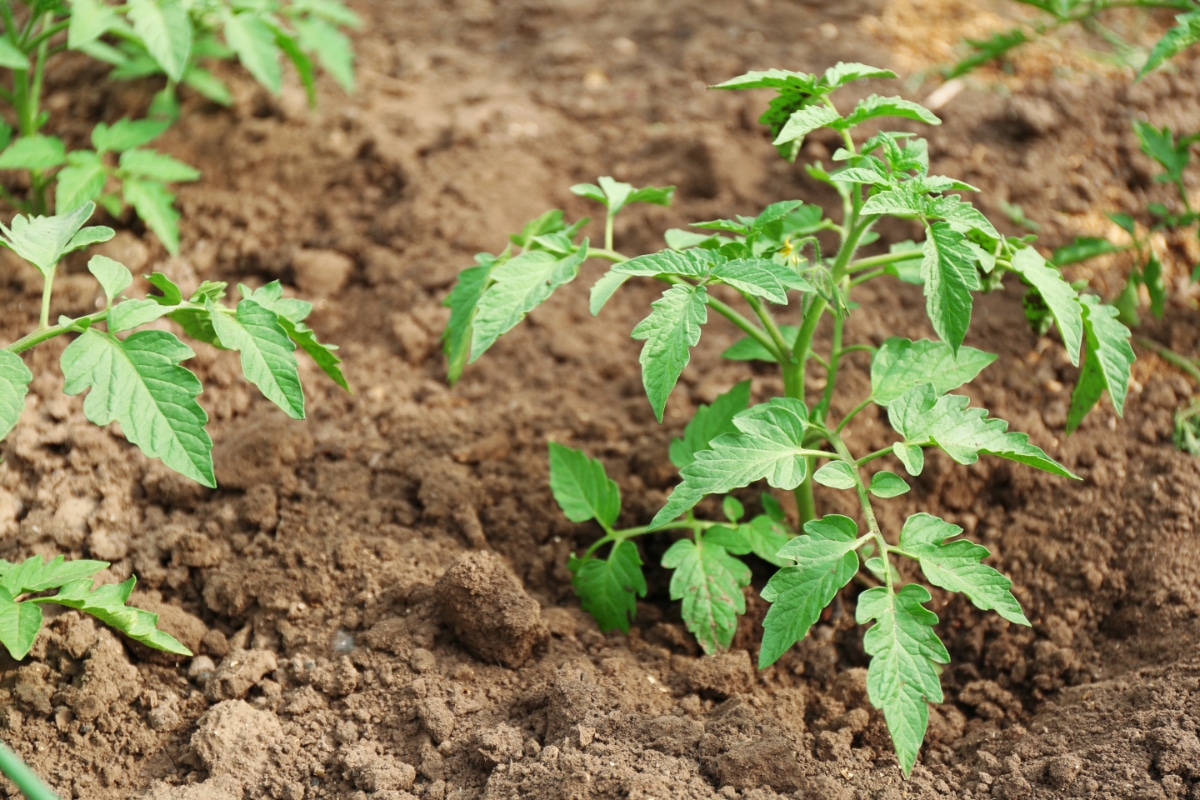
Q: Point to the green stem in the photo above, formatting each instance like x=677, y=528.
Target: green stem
x=868, y=276
x=768, y=322
x=854, y=412
x=47, y=289
x=864, y=500
x=882, y=260
x=607, y=252
x=867, y=459
x=25, y=778
x=608, y=231
x=835, y=357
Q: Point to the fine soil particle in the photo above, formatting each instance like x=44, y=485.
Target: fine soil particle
x=378, y=596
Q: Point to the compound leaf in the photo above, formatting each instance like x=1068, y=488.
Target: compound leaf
x=900, y=364
x=672, y=328
x=138, y=382
x=291, y=313
x=43, y=241
x=694, y=263
x=581, y=487
x=14, y=385
x=35, y=574
x=923, y=418
x=1107, y=361
x=254, y=42
x=956, y=566
x=709, y=581
x=332, y=48
x=90, y=19
x=608, y=588
x=824, y=562
x=518, y=286
x=709, y=422
x=802, y=122
x=903, y=677
x=107, y=604
x=950, y=276
x=80, y=182
x=1185, y=34
x=268, y=355
x=156, y=166
x=769, y=443
x=1060, y=297
x=166, y=31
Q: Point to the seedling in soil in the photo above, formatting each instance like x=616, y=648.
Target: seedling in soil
x=135, y=377
x=141, y=39
x=777, y=260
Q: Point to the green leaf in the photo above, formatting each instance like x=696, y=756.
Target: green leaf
x=988, y=50
x=709, y=422
x=950, y=276
x=956, y=566
x=694, y=263
x=126, y=134
x=836, y=475
x=89, y=20
x=770, y=79
x=14, y=385
x=1083, y=248
x=300, y=60
x=1162, y=146
x=766, y=537
x=107, y=604
x=208, y=86
x=19, y=625
x=912, y=457
x=672, y=328
x=34, y=152
x=903, y=677
x=1179, y=38
x=887, y=485
x=709, y=581
x=321, y=354
x=80, y=182
x=35, y=574
x=154, y=204
x=254, y=43
x=923, y=418
x=130, y=314
x=615, y=195
x=138, y=382
x=1060, y=297
x=848, y=71
x=732, y=508
x=113, y=276
x=1152, y=277
x=1107, y=362
x=900, y=364
x=824, y=562
x=332, y=48
x=769, y=444
x=581, y=488
x=876, y=106
x=268, y=355
x=518, y=286
x=608, y=588
x=803, y=122
x=166, y=30
x=748, y=349
x=43, y=241
x=156, y=167
x=463, y=301
x=12, y=57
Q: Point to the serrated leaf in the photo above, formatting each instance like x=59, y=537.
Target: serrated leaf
x=19, y=625
x=709, y=422
x=126, y=134
x=107, y=604
x=114, y=278
x=836, y=475
x=166, y=31
x=89, y=20
x=923, y=418
x=463, y=301
x=80, y=182
x=1060, y=297
x=770, y=79
x=903, y=677
x=14, y=385
x=670, y=331
x=750, y=349
x=900, y=364
x=1107, y=361
x=254, y=43
x=803, y=122
x=845, y=72
x=156, y=166
x=138, y=382
x=1179, y=38
x=518, y=286
x=876, y=106
x=322, y=354
x=608, y=588
x=43, y=241
x=754, y=276
x=605, y=288
x=581, y=487
x=953, y=208
x=824, y=561
x=950, y=276
x=1083, y=248
x=694, y=263
x=768, y=445
x=956, y=566
x=268, y=355
x=912, y=457
x=332, y=47
x=887, y=485
x=35, y=574
x=709, y=581
x=34, y=152
x=154, y=204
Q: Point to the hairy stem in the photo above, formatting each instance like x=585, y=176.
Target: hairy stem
x=864, y=500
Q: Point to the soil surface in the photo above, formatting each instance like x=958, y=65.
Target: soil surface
x=378, y=596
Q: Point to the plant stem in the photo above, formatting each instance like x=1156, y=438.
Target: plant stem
x=859, y=264
x=853, y=413
x=608, y=231
x=25, y=778
x=768, y=322
x=864, y=500
x=835, y=357
x=47, y=289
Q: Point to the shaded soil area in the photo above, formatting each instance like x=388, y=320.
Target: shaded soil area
x=378, y=597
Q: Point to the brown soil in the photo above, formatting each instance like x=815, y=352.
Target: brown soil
x=327, y=586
